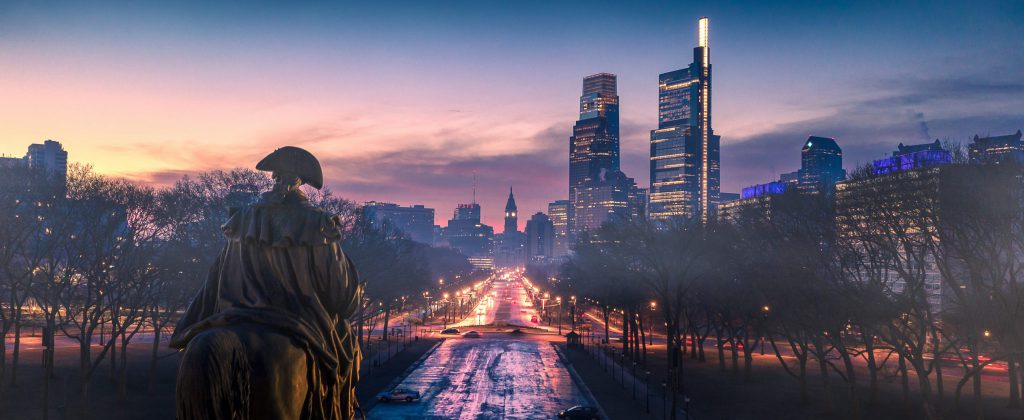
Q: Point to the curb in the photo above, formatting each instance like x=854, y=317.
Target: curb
x=398, y=379
x=579, y=381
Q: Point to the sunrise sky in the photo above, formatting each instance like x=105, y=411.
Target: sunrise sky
x=404, y=101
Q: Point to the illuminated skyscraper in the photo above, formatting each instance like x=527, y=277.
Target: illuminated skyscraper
x=685, y=175
x=594, y=145
x=821, y=165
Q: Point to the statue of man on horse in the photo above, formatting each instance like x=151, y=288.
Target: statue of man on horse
x=268, y=336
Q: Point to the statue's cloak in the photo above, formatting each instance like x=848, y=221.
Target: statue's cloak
x=283, y=268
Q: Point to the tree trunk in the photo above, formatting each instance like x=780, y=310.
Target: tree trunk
x=16, y=351
x=1014, y=399
x=823, y=372
x=905, y=383
x=735, y=355
x=154, y=354
x=869, y=347
x=721, y=350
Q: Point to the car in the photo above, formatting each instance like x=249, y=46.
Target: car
x=452, y=331
x=472, y=334
x=533, y=319
x=399, y=394
x=579, y=412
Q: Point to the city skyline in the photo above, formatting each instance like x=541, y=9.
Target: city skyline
x=140, y=91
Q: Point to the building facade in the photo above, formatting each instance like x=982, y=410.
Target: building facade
x=996, y=149
x=466, y=234
x=416, y=221
x=821, y=165
x=558, y=213
x=613, y=197
x=685, y=164
x=540, y=238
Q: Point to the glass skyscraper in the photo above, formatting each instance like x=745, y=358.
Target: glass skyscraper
x=685, y=173
x=594, y=145
x=821, y=165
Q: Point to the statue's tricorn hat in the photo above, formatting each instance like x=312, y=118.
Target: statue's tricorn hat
x=295, y=161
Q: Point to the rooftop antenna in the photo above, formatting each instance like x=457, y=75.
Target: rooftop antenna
x=474, y=187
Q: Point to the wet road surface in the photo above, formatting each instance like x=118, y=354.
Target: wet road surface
x=499, y=376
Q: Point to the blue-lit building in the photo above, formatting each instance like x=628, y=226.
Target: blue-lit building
x=914, y=156
x=685, y=173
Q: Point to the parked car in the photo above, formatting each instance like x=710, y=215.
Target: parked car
x=533, y=319
x=399, y=394
x=472, y=334
x=579, y=412
x=452, y=331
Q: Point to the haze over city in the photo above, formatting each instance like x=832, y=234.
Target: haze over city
x=404, y=102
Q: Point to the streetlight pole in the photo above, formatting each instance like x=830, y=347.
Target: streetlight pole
x=559, y=300
x=573, y=312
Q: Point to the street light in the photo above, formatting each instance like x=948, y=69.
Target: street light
x=559, y=300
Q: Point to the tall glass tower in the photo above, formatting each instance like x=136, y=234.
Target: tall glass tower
x=594, y=145
x=685, y=173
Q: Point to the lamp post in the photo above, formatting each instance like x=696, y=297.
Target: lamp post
x=664, y=404
x=559, y=300
x=573, y=312
x=446, y=308
x=647, y=390
x=764, y=310
x=650, y=325
x=544, y=307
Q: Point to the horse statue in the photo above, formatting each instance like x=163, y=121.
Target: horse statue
x=268, y=335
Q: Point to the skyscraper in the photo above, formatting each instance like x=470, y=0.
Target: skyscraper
x=594, y=145
x=685, y=173
x=821, y=165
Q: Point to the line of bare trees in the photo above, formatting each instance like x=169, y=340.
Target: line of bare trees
x=96, y=262
x=913, y=276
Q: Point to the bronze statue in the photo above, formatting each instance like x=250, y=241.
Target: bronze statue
x=268, y=335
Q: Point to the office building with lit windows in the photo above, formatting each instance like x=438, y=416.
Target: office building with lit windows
x=685, y=173
x=613, y=197
x=996, y=149
x=821, y=165
x=417, y=221
x=594, y=145
x=558, y=213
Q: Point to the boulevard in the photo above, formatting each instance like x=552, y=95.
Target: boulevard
x=500, y=375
